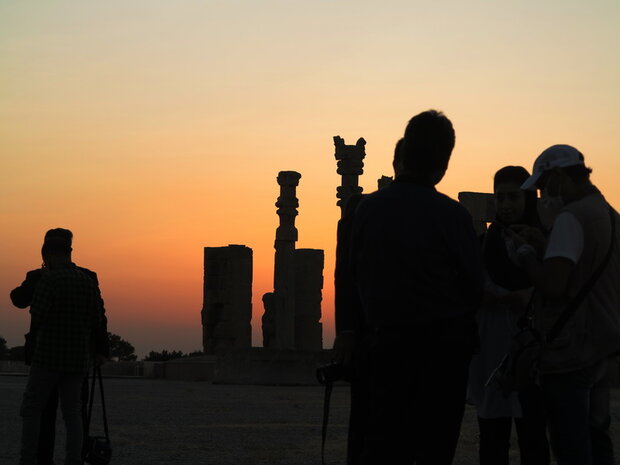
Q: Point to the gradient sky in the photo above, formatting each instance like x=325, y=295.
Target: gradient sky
x=154, y=128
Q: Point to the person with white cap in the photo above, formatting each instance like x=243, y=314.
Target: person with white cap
x=580, y=271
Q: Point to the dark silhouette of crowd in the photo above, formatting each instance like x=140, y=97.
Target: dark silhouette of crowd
x=428, y=313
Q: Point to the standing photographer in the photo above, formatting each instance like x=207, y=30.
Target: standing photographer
x=22, y=297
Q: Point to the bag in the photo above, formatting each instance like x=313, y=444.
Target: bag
x=519, y=367
x=97, y=449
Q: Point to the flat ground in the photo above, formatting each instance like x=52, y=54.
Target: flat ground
x=160, y=422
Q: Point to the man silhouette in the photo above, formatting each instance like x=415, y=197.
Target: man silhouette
x=22, y=297
x=418, y=272
x=581, y=257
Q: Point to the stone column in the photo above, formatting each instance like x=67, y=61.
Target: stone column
x=227, y=302
x=480, y=206
x=284, y=266
x=350, y=167
x=384, y=181
x=308, y=297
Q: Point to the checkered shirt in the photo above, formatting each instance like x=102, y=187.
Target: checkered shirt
x=67, y=312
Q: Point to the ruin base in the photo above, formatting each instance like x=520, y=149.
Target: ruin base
x=270, y=367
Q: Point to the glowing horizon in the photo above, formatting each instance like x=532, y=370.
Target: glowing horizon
x=152, y=130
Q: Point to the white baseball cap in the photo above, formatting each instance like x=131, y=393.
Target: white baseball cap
x=556, y=156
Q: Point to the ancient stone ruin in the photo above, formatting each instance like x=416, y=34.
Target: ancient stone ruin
x=291, y=322
x=227, y=302
x=293, y=310
x=350, y=167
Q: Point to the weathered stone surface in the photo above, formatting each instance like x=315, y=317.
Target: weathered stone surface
x=308, y=296
x=384, y=181
x=279, y=318
x=350, y=167
x=481, y=207
x=227, y=305
x=270, y=366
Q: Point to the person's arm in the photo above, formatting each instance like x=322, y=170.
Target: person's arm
x=552, y=276
x=22, y=295
x=463, y=236
x=42, y=300
x=101, y=342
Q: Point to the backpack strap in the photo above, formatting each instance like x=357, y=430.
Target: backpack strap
x=579, y=298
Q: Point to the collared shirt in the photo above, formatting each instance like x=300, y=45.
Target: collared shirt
x=22, y=297
x=66, y=311
x=415, y=256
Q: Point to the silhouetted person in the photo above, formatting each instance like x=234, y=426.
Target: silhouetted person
x=418, y=273
x=507, y=290
x=351, y=343
x=22, y=298
x=575, y=366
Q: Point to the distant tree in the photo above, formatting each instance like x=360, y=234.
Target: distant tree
x=163, y=356
x=17, y=354
x=121, y=349
x=4, y=350
x=196, y=353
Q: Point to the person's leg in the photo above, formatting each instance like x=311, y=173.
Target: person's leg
x=69, y=390
x=532, y=428
x=600, y=421
x=360, y=399
x=41, y=383
x=441, y=385
x=494, y=440
x=389, y=372
x=85, y=394
x=47, y=433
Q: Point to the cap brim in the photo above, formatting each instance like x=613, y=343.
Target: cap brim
x=530, y=183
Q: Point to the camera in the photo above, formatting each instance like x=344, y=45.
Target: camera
x=332, y=372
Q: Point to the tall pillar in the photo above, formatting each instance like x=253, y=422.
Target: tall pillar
x=480, y=206
x=308, y=297
x=284, y=266
x=350, y=167
x=384, y=181
x=227, y=302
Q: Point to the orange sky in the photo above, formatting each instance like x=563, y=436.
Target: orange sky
x=155, y=128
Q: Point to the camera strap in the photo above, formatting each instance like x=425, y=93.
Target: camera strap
x=328, y=394
x=97, y=377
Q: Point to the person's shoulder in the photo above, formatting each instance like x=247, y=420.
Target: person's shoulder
x=452, y=206
x=34, y=275
x=90, y=273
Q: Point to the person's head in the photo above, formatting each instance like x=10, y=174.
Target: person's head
x=397, y=163
x=59, y=232
x=427, y=146
x=514, y=205
x=56, y=250
x=560, y=174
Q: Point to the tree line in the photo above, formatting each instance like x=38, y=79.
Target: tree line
x=120, y=350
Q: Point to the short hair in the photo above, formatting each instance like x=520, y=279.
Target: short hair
x=518, y=175
x=428, y=142
x=56, y=245
x=61, y=233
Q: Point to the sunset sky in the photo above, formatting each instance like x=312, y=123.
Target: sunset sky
x=154, y=128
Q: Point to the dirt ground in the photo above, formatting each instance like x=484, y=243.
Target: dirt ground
x=160, y=422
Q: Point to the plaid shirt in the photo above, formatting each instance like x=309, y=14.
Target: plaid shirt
x=67, y=312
